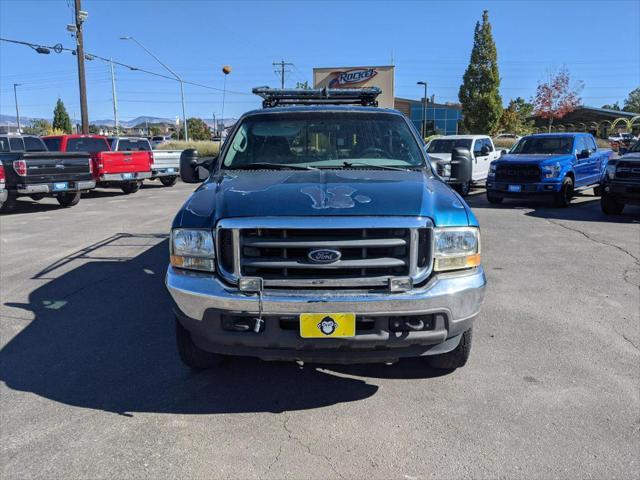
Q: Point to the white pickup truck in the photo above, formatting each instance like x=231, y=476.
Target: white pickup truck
x=482, y=150
x=165, y=164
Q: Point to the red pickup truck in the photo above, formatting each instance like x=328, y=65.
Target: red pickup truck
x=124, y=170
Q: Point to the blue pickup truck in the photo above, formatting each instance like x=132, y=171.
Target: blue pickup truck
x=322, y=234
x=553, y=165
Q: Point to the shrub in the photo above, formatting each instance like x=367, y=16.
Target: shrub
x=205, y=148
x=504, y=143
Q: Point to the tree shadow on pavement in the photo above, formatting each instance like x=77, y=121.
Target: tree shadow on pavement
x=103, y=338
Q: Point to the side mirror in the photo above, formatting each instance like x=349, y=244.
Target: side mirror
x=504, y=152
x=192, y=170
x=584, y=154
x=484, y=151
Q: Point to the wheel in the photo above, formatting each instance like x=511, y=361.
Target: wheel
x=36, y=197
x=192, y=355
x=68, y=199
x=564, y=196
x=610, y=205
x=463, y=188
x=597, y=191
x=457, y=357
x=130, y=187
x=168, y=181
x=493, y=199
x=10, y=203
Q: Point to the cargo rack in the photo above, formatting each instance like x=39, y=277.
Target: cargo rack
x=274, y=97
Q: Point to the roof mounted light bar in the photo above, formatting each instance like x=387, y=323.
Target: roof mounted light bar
x=273, y=97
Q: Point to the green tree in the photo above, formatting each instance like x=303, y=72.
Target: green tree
x=94, y=129
x=480, y=90
x=154, y=131
x=516, y=118
x=198, y=130
x=614, y=106
x=39, y=127
x=61, y=120
x=632, y=102
x=303, y=85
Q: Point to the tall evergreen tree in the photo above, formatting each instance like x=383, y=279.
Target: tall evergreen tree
x=61, y=120
x=480, y=90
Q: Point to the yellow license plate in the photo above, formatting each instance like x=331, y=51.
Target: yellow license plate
x=321, y=325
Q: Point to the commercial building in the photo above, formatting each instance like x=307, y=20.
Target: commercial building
x=443, y=119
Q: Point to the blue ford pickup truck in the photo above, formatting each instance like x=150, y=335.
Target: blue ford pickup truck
x=321, y=234
x=552, y=165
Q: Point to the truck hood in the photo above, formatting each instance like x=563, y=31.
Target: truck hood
x=267, y=193
x=631, y=157
x=534, y=159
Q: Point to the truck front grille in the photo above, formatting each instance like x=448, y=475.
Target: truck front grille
x=281, y=256
x=518, y=173
x=628, y=170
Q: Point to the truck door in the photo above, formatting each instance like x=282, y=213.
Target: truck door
x=581, y=165
x=482, y=150
x=595, y=160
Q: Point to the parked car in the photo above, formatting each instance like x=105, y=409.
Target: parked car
x=482, y=152
x=554, y=165
x=165, y=164
x=124, y=170
x=159, y=140
x=621, y=182
x=28, y=169
x=321, y=234
x=508, y=136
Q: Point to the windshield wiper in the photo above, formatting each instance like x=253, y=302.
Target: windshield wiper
x=377, y=167
x=272, y=166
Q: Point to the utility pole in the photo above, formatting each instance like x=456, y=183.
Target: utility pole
x=115, y=99
x=84, y=114
x=424, y=110
x=281, y=68
x=15, y=96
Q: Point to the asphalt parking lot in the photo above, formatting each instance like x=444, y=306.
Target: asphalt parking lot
x=91, y=385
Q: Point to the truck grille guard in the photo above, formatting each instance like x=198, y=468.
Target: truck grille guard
x=370, y=250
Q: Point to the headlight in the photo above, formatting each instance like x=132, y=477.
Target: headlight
x=492, y=169
x=192, y=249
x=611, y=171
x=456, y=248
x=551, y=171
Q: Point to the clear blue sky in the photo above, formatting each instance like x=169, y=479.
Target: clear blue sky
x=598, y=41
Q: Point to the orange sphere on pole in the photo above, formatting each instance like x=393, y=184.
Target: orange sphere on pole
x=226, y=69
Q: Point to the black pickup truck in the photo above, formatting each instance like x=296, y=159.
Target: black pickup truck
x=28, y=169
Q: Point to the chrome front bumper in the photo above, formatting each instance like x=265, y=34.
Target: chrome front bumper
x=48, y=187
x=117, y=177
x=458, y=296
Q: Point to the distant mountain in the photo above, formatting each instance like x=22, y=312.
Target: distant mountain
x=140, y=121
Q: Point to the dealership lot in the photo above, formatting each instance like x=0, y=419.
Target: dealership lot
x=91, y=385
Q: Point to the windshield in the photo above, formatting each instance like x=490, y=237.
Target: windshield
x=635, y=148
x=446, y=145
x=324, y=140
x=544, y=145
x=91, y=145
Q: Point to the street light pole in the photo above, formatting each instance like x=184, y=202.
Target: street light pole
x=184, y=114
x=15, y=96
x=424, y=110
x=115, y=99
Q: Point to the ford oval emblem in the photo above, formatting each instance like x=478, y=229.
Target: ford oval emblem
x=324, y=255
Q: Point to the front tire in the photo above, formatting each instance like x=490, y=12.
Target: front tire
x=457, y=357
x=67, y=200
x=597, y=191
x=610, y=206
x=563, y=198
x=168, y=181
x=130, y=187
x=463, y=188
x=192, y=355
